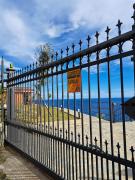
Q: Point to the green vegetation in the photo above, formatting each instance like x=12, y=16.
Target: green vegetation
x=2, y=160
x=3, y=175
x=32, y=114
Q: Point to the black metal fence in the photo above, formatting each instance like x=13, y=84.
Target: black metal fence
x=42, y=125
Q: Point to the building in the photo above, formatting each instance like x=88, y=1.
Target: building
x=22, y=95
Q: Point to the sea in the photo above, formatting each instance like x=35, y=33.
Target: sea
x=116, y=108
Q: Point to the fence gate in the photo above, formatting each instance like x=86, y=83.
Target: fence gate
x=74, y=116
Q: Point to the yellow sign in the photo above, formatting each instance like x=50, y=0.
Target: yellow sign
x=74, y=81
x=11, y=66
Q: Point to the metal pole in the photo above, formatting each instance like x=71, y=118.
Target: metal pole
x=2, y=98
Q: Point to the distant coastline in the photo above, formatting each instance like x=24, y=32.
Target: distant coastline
x=94, y=111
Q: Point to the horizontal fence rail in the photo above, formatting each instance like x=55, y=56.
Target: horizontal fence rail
x=82, y=134
x=88, y=148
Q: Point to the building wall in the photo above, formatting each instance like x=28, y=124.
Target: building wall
x=18, y=98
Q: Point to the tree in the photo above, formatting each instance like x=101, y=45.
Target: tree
x=43, y=54
x=43, y=57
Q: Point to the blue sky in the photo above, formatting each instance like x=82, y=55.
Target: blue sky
x=27, y=24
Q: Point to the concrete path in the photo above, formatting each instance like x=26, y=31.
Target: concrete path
x=18, y=168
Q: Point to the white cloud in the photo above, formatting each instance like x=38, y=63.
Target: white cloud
x=23, y=29
x=100, y=13
x=57, y=30
x=15, y=36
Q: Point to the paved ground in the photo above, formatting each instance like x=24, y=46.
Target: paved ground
x=18, y=168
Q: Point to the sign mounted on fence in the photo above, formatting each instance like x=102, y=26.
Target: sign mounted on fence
x=74, y=81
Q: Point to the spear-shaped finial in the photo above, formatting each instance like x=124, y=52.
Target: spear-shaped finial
x=36, y=64
x=106, y=145
x=30, y=66
x=119, y=26
x=95, y=139
x=133, y=15
x=88, y=40
x=118, y=147
x=107, y=32
x=87, y=140
x=73, y=47
x=80, y=44
x=46, y=128
x=132, y=152
x=73, y=50
x=67, y=49
x=79, y=138
x=60, y=133
x=56, y=55
x=61, y=53
x=33, y=65
x=97, y=36
x=71, y=136
x=66, y=133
